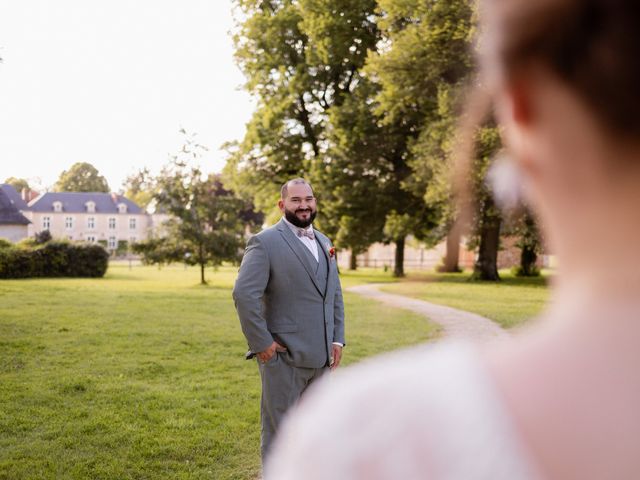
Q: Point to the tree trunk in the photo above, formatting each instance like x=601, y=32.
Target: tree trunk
x=353, y=261
x=528, y=258
x=452, y=257
x=398, y=268
x=529, y=244
x=202, y=262
x=486, y=267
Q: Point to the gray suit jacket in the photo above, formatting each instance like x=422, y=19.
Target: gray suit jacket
x=277, y=296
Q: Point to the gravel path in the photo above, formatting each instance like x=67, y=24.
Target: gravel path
x=457, y=324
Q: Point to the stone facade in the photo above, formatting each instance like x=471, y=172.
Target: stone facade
x=106, y=218
x=13, y=233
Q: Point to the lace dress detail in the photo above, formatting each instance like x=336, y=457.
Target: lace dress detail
x=424, y=413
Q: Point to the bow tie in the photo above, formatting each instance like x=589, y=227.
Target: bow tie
x=306, y=233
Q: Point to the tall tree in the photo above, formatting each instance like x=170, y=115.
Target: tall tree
x=529, y=242
x=81, y=177
x=350, y=175
x=488, y=218
x=425, y=59
x=301, y=58
x=207, y=223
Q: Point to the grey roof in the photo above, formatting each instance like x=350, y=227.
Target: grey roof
x=9, y=213
x=75, y=202
x=14, y=196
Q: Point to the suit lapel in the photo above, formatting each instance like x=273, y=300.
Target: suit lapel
x=297, y=247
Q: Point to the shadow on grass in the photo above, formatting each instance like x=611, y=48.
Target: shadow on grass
x=123, y=276
x=507, y=279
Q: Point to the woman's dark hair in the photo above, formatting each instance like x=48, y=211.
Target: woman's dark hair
x=591, y=45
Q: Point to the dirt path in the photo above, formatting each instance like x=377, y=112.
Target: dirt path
x=457, y=324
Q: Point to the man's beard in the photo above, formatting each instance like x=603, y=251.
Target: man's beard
x=294, y=220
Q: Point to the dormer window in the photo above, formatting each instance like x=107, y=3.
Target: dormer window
x=91, y=207
x=57, y=206
x=122, y=208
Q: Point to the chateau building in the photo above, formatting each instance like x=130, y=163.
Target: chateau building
x=107, y=218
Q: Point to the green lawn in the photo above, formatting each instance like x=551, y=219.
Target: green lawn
x=509, y=302
x=141, y=374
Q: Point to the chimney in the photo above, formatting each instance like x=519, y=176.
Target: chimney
x=114, y=197
x=25, y=194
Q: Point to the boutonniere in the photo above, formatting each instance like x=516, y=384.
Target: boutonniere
x=332, y=252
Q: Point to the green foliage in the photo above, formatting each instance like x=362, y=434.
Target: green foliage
x=81, y=177
x=122, y=247
x=300, y=58
x=398, y=225
x=488, y=143
x=139, y=187
x=160, y=250
x=42, y=237
x=529, y=241
x=18, y=183
x=53, y=259
x=350, y=177
x=207, y=223
x=361, y=98
x=421, y=73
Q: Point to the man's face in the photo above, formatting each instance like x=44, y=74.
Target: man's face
x=299, y=207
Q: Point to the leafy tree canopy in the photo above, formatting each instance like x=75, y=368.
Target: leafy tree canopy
x=81, y=177
x=18, y=183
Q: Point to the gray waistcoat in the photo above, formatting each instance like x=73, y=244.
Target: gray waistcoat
x=319, y=266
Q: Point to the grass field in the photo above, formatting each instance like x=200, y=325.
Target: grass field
x=141, y=374
x=510, y=302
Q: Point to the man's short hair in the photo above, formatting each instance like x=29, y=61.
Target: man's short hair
x=296, y=181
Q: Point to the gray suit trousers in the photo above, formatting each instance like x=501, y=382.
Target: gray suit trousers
x=282, y=386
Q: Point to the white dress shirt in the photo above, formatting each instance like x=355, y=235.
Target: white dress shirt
x=311, y=245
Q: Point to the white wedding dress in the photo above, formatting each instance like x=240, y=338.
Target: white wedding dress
x=430, y=412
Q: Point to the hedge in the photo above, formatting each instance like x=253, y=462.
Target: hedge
x=54, y=259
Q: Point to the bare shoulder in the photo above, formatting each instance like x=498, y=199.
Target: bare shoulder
x=571, y=399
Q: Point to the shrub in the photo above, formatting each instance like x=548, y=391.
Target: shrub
x=122, y=248
x=518, y=271
x=88, y=260
x=54, y=259
x=43, y=237
x=26, y=243
x=16, y=263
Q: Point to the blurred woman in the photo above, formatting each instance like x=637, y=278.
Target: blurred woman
x=560, y=401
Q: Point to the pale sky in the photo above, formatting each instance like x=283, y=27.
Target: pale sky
x=110, y=82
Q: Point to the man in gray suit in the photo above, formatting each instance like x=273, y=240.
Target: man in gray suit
x=289, y=301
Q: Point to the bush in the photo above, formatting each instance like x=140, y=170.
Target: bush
x=54, y=259
x=122, y=248
x=518, y=271
x=16, y=263
x=43, y=237
x=88, y=261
